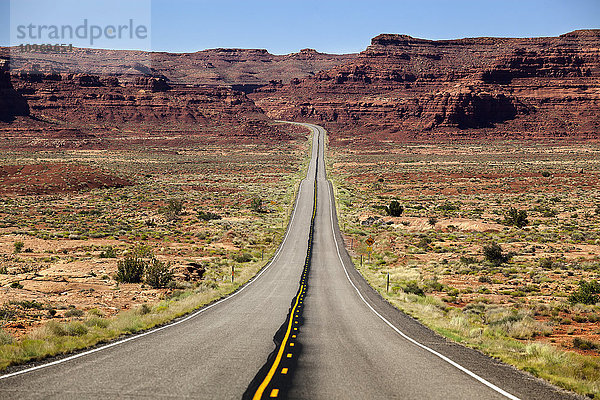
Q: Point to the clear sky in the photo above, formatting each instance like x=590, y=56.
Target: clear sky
x=344, y=26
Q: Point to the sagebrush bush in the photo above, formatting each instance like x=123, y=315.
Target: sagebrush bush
x=130, y=270
x=207, y=215
x=243, y=257
x=18, y=246
x=257, y=205
x=73, y=312
x=70, y=329
x=173, y=209
x=413, y=288
x=587, y=293
x=158, y=274
x=97, y=322
x=5, y=337
x=109, y=252
x=583, y=344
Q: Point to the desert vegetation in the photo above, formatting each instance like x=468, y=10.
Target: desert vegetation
x=497, y=246
x=81, y=264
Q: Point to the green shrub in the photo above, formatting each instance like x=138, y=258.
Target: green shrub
x=546, y=263
x=424, y=242
x=257, y=205
x=516, y=218
x=449, y=206
x=97, y=322
x=468, y=260
x=173, y=209
x=16, y=285
x=207, y=215
x=158, y=274
x=70, y=329
x=583, y=344
x=495, y=255
x=587, y=293
x=130, y=270
x=18, y=246
x=143, y=251
x=75, y=329
x=144, y=309
x=5, y=337
x=434, y=285
x=73, y=312
x=109, y=252
x=26, y=304
x=395, y=209
x=413, y=288
x=243, y=257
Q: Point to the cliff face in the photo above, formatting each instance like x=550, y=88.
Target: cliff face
x=400, y=84
x=201, y=90
x=91, y=99
x=12, y=104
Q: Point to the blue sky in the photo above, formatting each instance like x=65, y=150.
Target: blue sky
x=341, y=26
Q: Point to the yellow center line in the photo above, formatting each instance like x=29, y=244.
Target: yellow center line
x=265, y=383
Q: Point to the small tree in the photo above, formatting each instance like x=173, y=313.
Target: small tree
x=516, y=218
x=432, y=221
x=158, y=274
x=130, y=270
x=395, y=209
x=495, y=255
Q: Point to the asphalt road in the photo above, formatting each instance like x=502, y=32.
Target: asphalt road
x=351, y=344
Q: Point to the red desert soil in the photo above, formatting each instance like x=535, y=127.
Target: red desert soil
x=54, y=178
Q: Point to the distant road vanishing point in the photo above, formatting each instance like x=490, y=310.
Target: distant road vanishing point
x=308, y=326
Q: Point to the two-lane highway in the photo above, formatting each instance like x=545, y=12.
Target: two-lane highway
x=341, y=340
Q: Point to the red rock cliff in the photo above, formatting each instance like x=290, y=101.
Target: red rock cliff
x=401, y=84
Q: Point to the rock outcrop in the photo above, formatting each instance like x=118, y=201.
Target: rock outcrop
x=404, y=85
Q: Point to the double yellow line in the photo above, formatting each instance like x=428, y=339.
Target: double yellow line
x=293, y=316
x=275, y=366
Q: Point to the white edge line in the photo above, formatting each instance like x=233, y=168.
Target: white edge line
x=251, y=281
x=405, y=336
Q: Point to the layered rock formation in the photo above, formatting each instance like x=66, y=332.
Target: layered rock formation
x=398, y=86
x=401, y=85
x=92, y=90
x=242, y=69
x=90, y=99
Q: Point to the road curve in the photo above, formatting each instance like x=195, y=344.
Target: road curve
x=351, y=344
